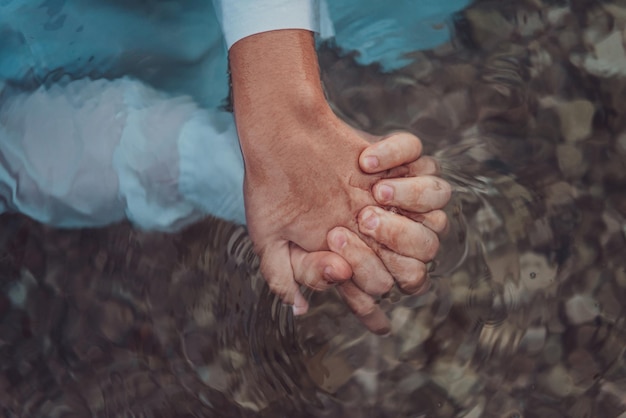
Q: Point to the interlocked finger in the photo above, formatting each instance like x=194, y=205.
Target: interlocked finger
x=318, y=270
x=424, y=166
x=399, y=233
x=415, y=194
x=395, y=150
x=436, y=220
x=365, y=308
x=410, y=274
x=369, y=272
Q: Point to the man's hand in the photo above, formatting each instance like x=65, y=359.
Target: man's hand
x=304, y=178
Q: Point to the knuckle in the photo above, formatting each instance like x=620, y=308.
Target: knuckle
x=385, y=285
x=430, y=247
x=431, y=166
x=411, y=140
x=411, y=287
x=439, y=221
x=278, y=290
x=443, y=188
x=377, y=283
x=365, y=310
x=414, y=278
x=316, y=283
x=424, y=166
x=417, y=189
x=422, y=288
x=397, y=172
x=395, y=146
x=421, y=274
x=308, y=280
x=398, y=264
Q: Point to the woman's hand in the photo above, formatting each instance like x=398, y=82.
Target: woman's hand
x=417, y=197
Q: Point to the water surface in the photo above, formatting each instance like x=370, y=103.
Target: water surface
x=525, y=317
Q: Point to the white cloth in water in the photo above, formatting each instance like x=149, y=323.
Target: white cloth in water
x=114, y=150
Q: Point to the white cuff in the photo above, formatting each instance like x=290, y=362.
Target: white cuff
x=242, y=18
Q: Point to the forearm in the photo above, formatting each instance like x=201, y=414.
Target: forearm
x=277, y=94
x=275, y=77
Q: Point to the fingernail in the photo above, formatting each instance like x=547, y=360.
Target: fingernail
x=384, y=193
x=340, y=240
x=369, y=220
x=299, y=305
x=371, y=162
x=298, y=310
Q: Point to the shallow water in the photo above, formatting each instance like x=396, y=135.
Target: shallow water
x=525, y=317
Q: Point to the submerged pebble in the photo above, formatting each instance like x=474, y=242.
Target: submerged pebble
x=524, y=111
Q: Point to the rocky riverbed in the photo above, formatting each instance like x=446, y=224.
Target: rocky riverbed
x=525, y=111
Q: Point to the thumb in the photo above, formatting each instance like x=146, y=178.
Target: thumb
x=278, y=273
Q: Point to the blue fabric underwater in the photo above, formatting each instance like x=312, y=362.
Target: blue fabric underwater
x=385, y=31
x=145, y=79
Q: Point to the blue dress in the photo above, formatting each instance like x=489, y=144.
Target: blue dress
x=111, y=109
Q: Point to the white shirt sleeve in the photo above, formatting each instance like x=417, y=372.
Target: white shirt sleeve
x=242, y=18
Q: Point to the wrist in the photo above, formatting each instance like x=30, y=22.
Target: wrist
x=276, y=80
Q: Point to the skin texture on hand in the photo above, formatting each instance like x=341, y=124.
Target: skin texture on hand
x=314, y=184
x=417, y=197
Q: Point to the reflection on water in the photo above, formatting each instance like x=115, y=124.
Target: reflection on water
x=525, y=317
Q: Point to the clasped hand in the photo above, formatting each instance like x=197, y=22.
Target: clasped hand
x=316, y=213
x=316, y=192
